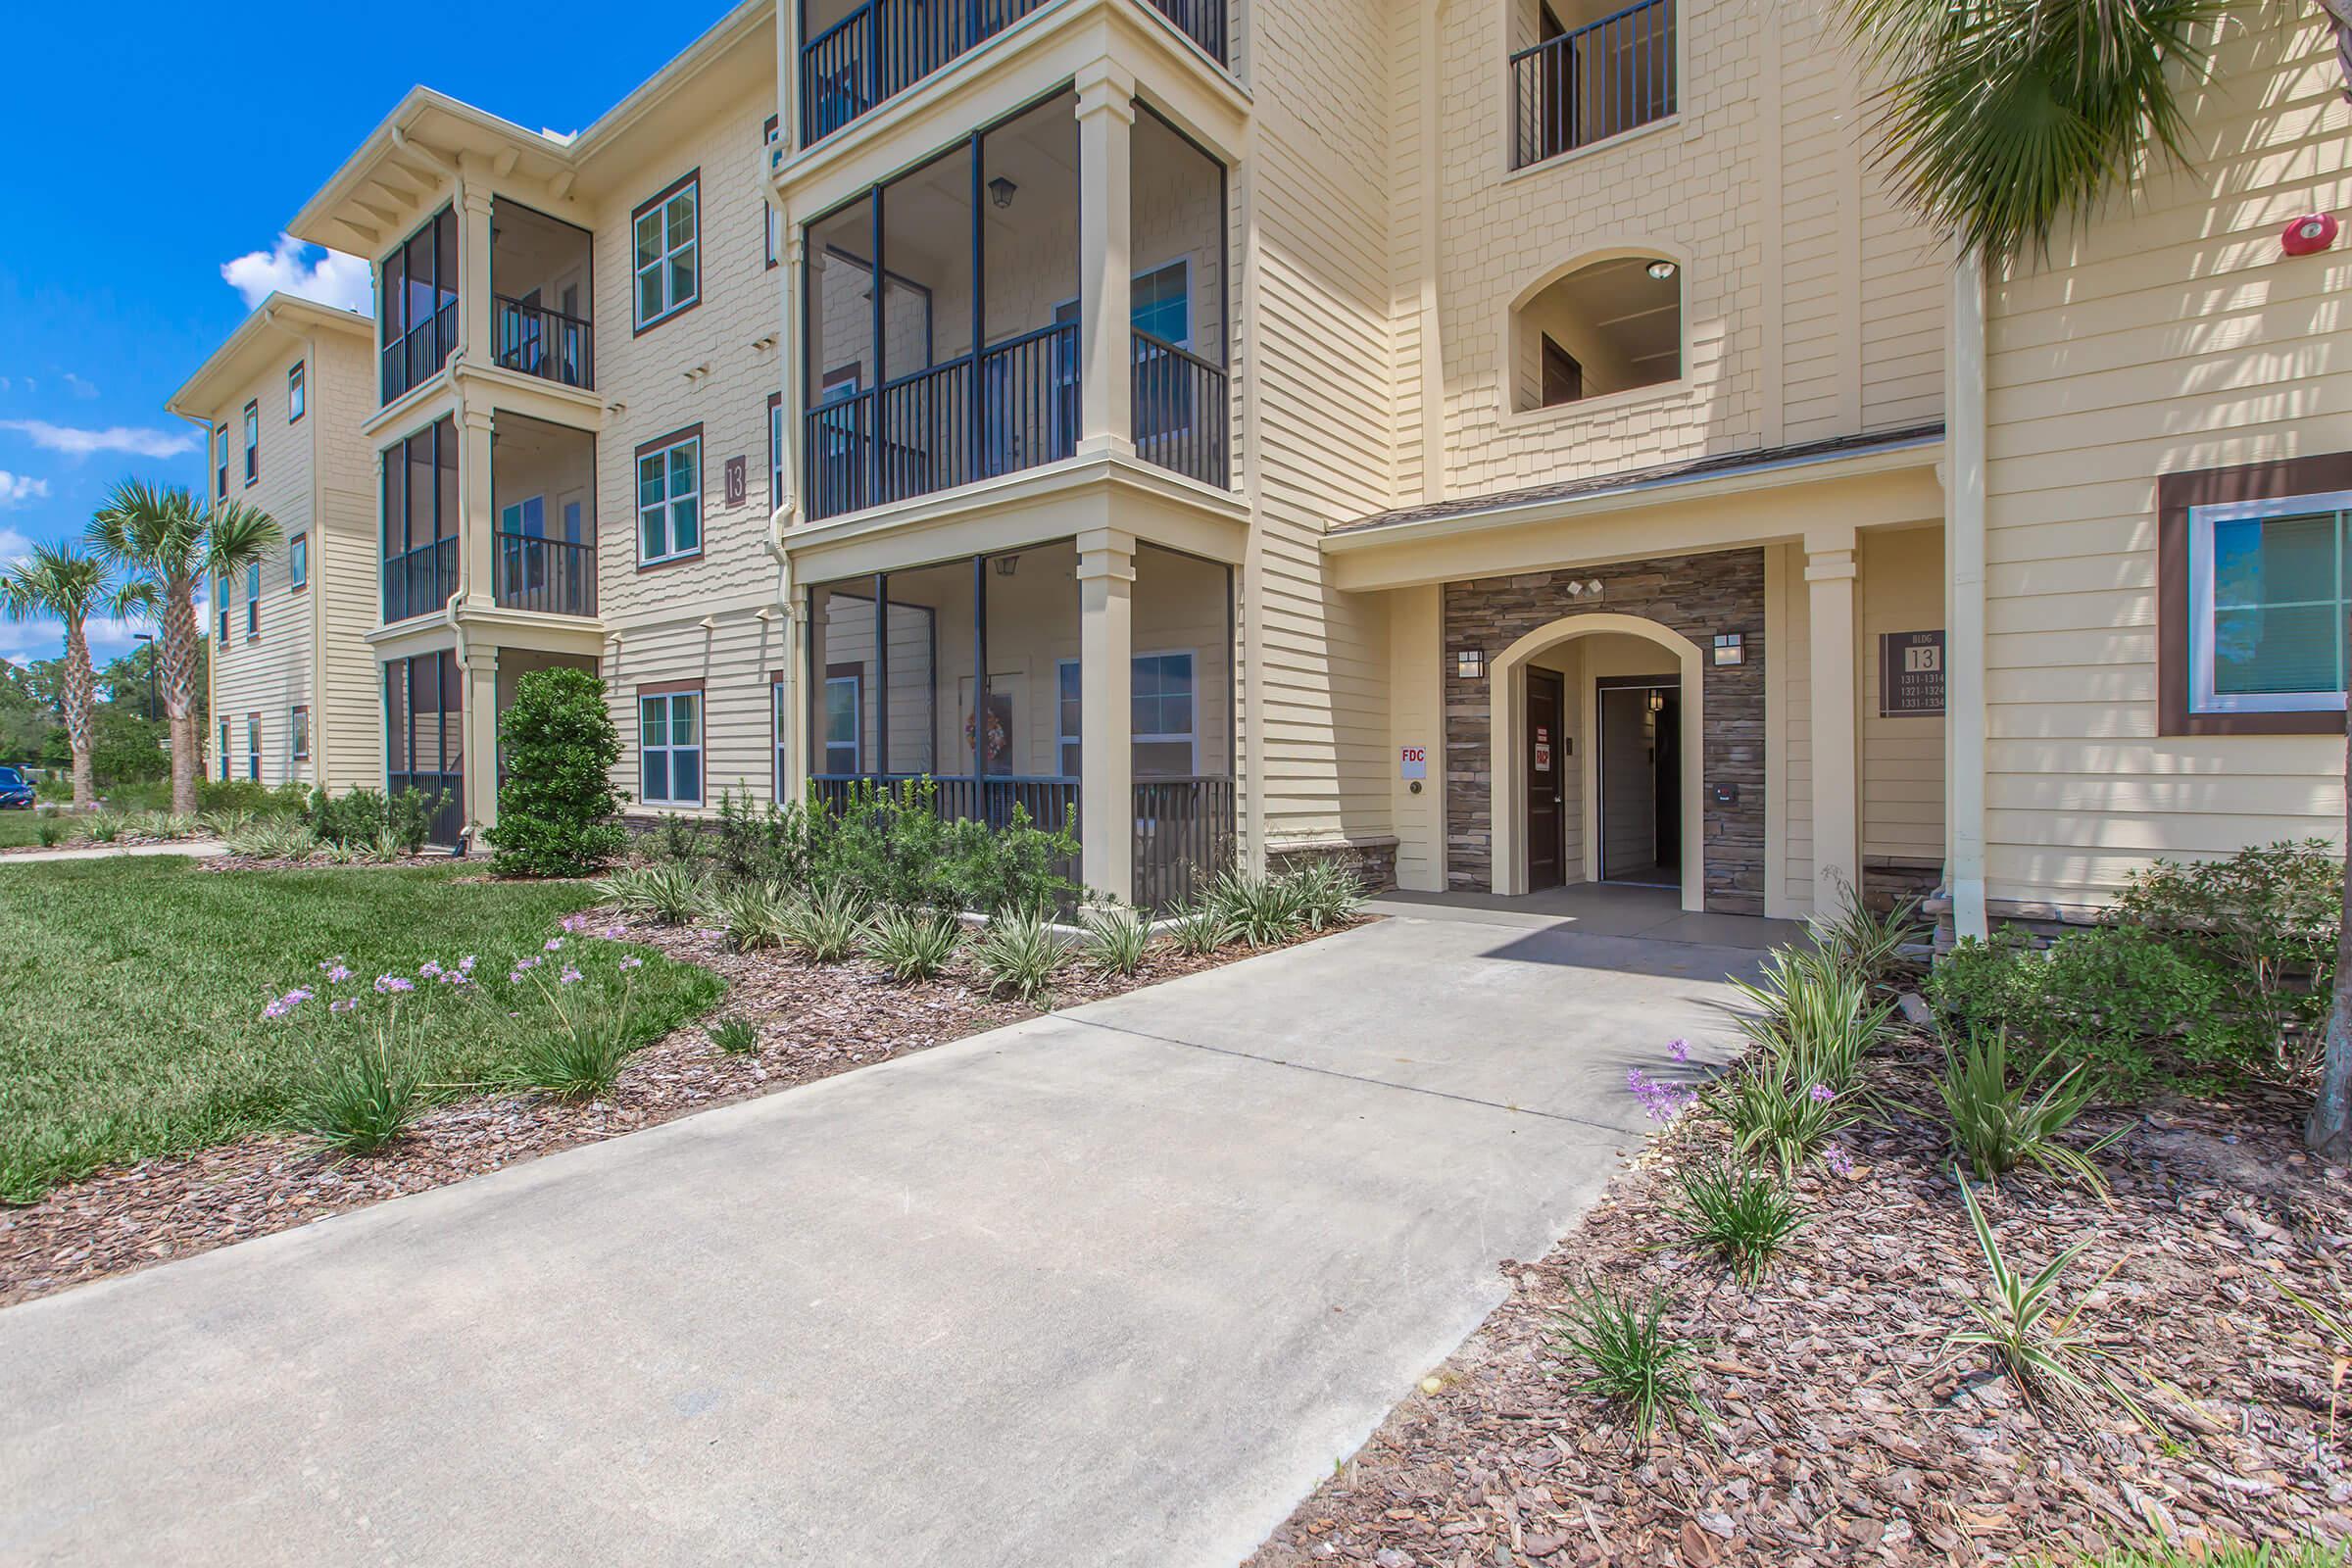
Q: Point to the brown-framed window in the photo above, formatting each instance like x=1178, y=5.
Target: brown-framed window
x=253, y=441
x=221, y=462
x=298, y=563
x=775, y=219
x=669, y=743
x=2254, y=581
x=778, y=729
x=253, y=600
x=298, y=731
x=221, y=644
x=253, y=747
x=668, y=232
x=669, y=498
x=297, y=393
x=775, y=451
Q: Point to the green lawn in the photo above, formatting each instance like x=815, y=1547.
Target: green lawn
x=134, y=990
x=19, y=827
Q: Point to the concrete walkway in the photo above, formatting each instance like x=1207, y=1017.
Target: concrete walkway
x=1115, y=1286
x=200, y=848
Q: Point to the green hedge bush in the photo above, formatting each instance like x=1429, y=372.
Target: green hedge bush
x=557, y=810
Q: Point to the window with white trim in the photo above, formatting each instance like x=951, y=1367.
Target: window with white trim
x=298, y=563
x=844, y=698
x=253, y=747
x=297, y=394
x=670, y=745
x=253, y=599
x=253, y=442
x=780, y=727
x=670, y=501
x=2270, y=585
x=668, y=239
x=298, y=731
x=1163, y=716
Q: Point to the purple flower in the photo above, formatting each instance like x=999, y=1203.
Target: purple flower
x=1837, y=1160
x=1679, y=1050
x=631, y=962
x=430, y=968
x=554, y=944
x=1824, y=1093
x=1660, y=1100
x=335, y=971
x=615, y=931
x=573, y=922
x=522, y=964
x=343, y=1005
x=453, y=977
x=570, y=977
x=466, y=964
x=515, y=977
x=392, y=984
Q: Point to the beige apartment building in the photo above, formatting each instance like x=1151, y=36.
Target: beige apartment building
x=293, y=686
x=1506, y=444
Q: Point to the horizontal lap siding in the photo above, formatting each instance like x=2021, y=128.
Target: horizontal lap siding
x=273, y=673
x=2171, y=337
x=349, y=715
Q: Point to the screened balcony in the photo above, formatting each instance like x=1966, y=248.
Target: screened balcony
x=892, y=697
x=417, y=305
x=856, y=56
x=1597, y=70
x=539, y=299
x=965, y=363
x=543, y=491
x=418, y=516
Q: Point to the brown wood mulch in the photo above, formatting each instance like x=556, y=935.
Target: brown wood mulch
x=1848, y=1434
x=814, y=1023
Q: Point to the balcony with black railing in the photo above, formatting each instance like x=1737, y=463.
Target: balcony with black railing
x=540, y=307
x=1180, y=419
x=1593, y=80
x=857, y=58
x=539, y=340
x=419, y=580
x=549, y=576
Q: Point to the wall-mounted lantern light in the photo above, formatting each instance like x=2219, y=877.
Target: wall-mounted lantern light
x=1658, y=700
x=1729, y=650
x=1006, y=566
x=1000, y=190
x=1469, y=662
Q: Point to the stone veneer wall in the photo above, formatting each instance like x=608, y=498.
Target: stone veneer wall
x=1371, y=860
x=1697, y=596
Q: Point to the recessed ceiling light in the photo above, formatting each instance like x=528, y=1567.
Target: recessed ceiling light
x=1661, y=271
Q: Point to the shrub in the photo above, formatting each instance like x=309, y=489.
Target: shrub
x=1782, y=1119
x=1199, y=928
x=364, y=819
x=1326, y=894
x=580, y=1059
x=1865, y=944
x=913, y=945
x=753, y=914
x=676, y=840
x=556, y=806
x=1260, y=910
x=1115, y=939
x=1996, y=1129
x=102, y=827
x=1811, y=1018
x=825, y=926
x=2021, y=1326
x=252, y=796
x=2129, y=1004
x=890, y=844
x=1742, y=1216
x=669, y=893
x=358, y=1102
x=1631, y=1358
x=991, y=870
x=735, y=1036
x=1018, y=956
x=51, y=832
x=2268, y=916
x=763, y=843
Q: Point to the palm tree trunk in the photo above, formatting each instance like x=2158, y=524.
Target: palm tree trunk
x=178, y=648
x=77, y=685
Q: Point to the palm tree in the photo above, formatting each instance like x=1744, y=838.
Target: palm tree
x=164, y=536
x=57, y=580
x=1999, y=120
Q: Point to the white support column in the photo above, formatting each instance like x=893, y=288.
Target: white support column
x=480, y=673
x=473, y=270
x=1105, y=266
x=1964, y=607
x=792, y=372
x=1106, y=684
x=797, y=695
x=477, y=518
x=1829, y=573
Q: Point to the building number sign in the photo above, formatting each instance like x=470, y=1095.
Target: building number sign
x=1910, y=673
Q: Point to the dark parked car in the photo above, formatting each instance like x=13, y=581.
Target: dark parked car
x=16, y=791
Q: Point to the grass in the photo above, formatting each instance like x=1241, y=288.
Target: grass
x=19, y=828
x=2158, y=1555
x=135, y=987
x=1631, y=1358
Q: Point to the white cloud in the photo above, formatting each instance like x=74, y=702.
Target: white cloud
x=25, y=641
x=79, y=387
x=334, y=279
x=77, y=442
x=14, y=547
x=16, y=488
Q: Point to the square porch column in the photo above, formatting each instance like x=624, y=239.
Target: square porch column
x=1106, y=689
x=1829, y=573
x=1105, y=262
x=479, y=667
x=791, y=355
x=474, y=268
x=477, y=513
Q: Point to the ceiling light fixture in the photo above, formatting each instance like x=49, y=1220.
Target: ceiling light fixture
x=1663, y=271
x=1000, y=190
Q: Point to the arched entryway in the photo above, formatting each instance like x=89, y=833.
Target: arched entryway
x=1538, y=747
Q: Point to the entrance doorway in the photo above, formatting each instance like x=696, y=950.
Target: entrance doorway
x=1547, y=773
x=1639, y=766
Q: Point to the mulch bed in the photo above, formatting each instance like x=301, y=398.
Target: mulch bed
x=814, y=1023
x=1848, y=1434
x=319, y=862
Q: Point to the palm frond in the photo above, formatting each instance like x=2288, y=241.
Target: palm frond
x=238, y=536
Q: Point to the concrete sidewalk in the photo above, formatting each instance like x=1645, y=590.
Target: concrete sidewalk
x=1114, y=1286
x=200, y=848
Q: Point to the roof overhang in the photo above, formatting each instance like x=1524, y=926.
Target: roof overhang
x=280, y=322
x=1776, y=497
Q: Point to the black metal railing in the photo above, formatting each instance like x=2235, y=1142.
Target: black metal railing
x=541, y=342
x=413, y=355
x=1202, y=20
x=1052, y=803
x=1603, y=78
x=1011, y=406
x=552, y=577
x=1184, y=838
x=885, y=46
x=1179, y=411
x=447, y=819
x=420, y=579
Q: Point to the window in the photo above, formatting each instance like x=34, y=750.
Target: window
x=221, y=462
x=1163, y=717
x=670, y=276
x=670, y=746
x=253, y=599
x=298, y=731
x=253, y=746
x=844, y=698
x=224, y=750
x=1163, y=304
x=253, y=442
x=2254, y=580
x=221, y=643
x=780, y=731
x=298, y=563
x=775, y=219
x=775, y=451
x=669, y=498
x=294, y=393
x=1564, y=377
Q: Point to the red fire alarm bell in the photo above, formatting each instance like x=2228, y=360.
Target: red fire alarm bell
x=2308, y=234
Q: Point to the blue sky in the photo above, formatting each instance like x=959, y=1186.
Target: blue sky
x=154, y=155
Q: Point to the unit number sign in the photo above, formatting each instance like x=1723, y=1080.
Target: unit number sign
x=1910, y=673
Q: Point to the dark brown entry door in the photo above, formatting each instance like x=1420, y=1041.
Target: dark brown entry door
x=1546, y=764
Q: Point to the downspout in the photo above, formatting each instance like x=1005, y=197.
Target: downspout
x=1964, y=605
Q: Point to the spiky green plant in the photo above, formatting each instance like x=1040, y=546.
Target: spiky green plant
x=1866, y=944
x=1998, y=1126
x=1019, y=955
x=359, y=1102
x=1744, y=1217
x=582, y=1059
x=1632, y=1360
x=1115, y=939
x=753, y=914
x=1811, y=1018
x=671, y=892
x=913, y=945
x=102, y=827
x=735, y=1036
x=827, y=925
x=1781, y=1119
x=1199, y=928
x=1261, y=911
x=1324, y=894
